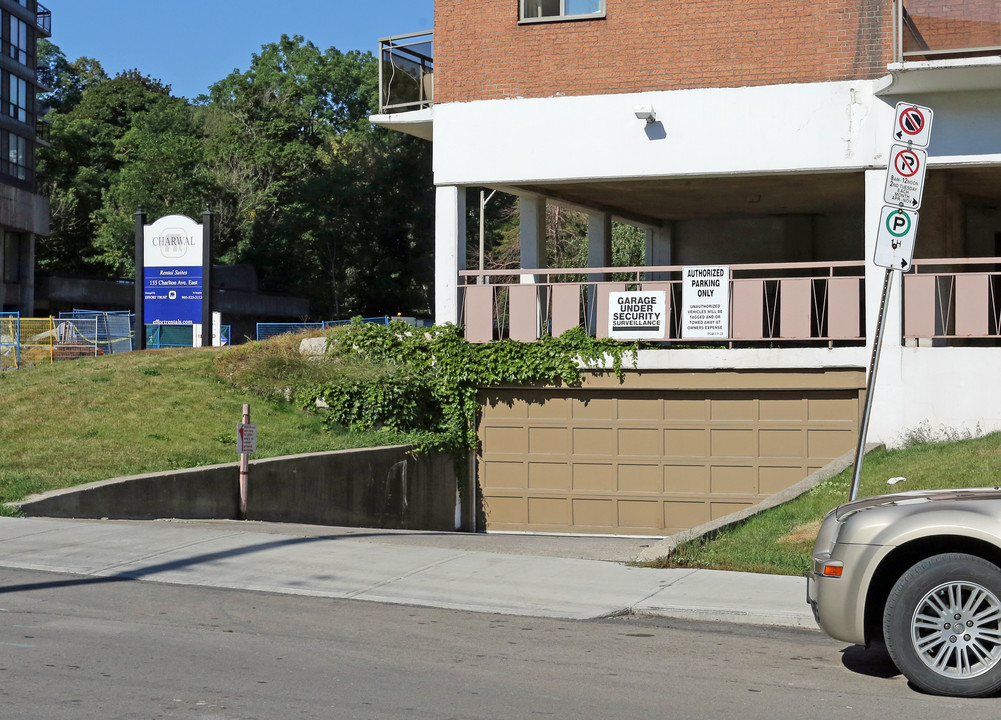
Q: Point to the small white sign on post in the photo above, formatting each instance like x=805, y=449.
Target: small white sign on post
x=639, y=315
x=705, y=299
x=895, y=239
x=905, y=177
x=246, y=438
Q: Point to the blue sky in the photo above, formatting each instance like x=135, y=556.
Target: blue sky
x=190, y=44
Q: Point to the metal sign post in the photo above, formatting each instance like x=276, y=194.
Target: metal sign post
x=898, y=227
x=246, y=440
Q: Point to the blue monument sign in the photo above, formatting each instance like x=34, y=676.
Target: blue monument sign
x=173, y=271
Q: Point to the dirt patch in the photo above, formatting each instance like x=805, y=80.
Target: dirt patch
x=803, y=533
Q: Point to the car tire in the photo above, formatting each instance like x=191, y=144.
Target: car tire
x=942, y=625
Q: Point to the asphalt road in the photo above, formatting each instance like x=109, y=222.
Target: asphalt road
x=81, y=648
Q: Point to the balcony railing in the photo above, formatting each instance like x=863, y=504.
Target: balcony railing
x=953, y=300
x=802, y=304
x=932, y=28
x=43, y=17
x=406, y=72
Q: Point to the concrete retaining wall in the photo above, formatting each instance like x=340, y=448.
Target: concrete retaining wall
x=384, y=487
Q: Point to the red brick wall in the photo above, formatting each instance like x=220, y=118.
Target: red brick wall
x=481, y=52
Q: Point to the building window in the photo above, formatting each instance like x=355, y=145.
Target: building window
x=547, y=10
x=14, y=149
x=12, y=257
x=16, y=98
x=17, y=40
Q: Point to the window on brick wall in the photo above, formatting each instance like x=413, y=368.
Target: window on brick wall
x=543, y=10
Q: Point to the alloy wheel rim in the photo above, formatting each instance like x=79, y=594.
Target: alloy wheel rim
x=956, y=629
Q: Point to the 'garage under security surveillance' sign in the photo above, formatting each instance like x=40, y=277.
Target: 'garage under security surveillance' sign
x=705, y=299
x=640, y=315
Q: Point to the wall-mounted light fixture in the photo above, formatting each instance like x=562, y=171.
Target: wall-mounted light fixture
x=645, y=112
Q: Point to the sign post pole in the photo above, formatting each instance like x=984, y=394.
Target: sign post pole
x=207, y=218
x=898, y=227
x=877, y=345
x=140, y=296
x=244, y=462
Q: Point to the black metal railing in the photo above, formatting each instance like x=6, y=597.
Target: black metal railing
x=43, y=18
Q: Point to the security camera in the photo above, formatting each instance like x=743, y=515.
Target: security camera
x=645, y=112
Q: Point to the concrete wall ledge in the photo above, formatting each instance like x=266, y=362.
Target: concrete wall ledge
x=384, y=487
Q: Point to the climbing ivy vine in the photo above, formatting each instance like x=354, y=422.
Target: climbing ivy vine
x=427, y=380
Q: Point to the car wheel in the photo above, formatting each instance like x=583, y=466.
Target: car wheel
x=942, y=625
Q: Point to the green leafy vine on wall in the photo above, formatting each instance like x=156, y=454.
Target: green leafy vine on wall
x=428, y=379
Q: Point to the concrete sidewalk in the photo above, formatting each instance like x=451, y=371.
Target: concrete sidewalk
x=547, y=576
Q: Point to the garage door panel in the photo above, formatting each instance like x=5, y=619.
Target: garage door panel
x=506, y=440
x=733, y=480
x=505, y=510
x=594, y=477
x=780, y=443
x=504, y=475
x=639, y=478
x=549, y=476
x=782, y=408
x=681, y=479
x=831, y=407
x=691, y=409
x=639, y=442
x=829, y=444
x=549, y=440
x=686, y=443
x=594, y=512
x=732, y=443
x=593, y=408
x=548, y=511
x=550, y=409
x=732, y=407
x=594, y=441
x=641, y=409
x=640, y=514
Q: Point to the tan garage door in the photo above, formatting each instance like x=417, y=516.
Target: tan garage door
x=653, y=461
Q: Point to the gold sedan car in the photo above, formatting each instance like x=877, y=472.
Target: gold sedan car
x=920, y=571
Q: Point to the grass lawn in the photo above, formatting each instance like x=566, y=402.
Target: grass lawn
x=78, y=421
x=780, y=540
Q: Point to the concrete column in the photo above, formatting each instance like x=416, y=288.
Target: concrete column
x=449, y=251
x=27, y=272
x=599, y=254
x=658, y=249
x=532, y=209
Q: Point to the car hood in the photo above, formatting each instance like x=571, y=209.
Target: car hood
x=915, y=497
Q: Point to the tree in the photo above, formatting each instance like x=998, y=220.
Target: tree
x=66, y=79
x=81, y=164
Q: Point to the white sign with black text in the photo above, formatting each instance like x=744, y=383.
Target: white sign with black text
x=705, y=302
x=639, y=315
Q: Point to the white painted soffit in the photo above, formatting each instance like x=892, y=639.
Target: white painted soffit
x=419, y=123
x=931, y=76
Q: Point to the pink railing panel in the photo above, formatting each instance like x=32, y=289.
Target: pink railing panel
x=746, y=308
x=479, y=313
x=525, y=312
x=843, y=308
x=795, y=307
x=601, y=309
x=666, y=287
x=919, y=306
x=972, y=297
x=566, y=307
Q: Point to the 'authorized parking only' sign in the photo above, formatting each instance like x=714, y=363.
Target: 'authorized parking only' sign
x=705, y=299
